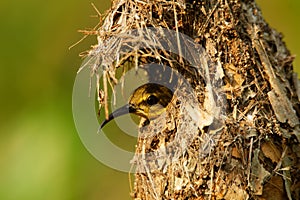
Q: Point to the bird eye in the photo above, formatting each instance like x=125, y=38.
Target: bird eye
x=152, y=100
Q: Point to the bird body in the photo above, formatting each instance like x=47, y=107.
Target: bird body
x=148, y=101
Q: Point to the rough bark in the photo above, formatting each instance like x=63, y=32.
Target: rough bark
x=252, y=150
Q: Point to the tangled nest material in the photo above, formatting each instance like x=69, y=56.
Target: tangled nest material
x=247, y=143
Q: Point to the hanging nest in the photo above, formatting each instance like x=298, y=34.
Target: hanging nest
x=232, y=128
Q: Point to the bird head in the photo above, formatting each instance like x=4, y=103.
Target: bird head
x=148, y=101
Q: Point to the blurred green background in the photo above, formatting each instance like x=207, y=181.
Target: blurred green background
x=42, y=156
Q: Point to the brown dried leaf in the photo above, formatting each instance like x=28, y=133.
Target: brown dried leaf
x=273, y=189
x=236, y=78
x=235, y=153
x=271, y=151
x=236, y=192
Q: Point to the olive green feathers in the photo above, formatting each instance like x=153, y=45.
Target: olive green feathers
x=148, y=101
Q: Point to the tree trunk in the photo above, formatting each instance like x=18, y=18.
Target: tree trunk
x=232, y=129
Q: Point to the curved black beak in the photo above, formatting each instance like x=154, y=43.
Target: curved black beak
x=119, y=112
